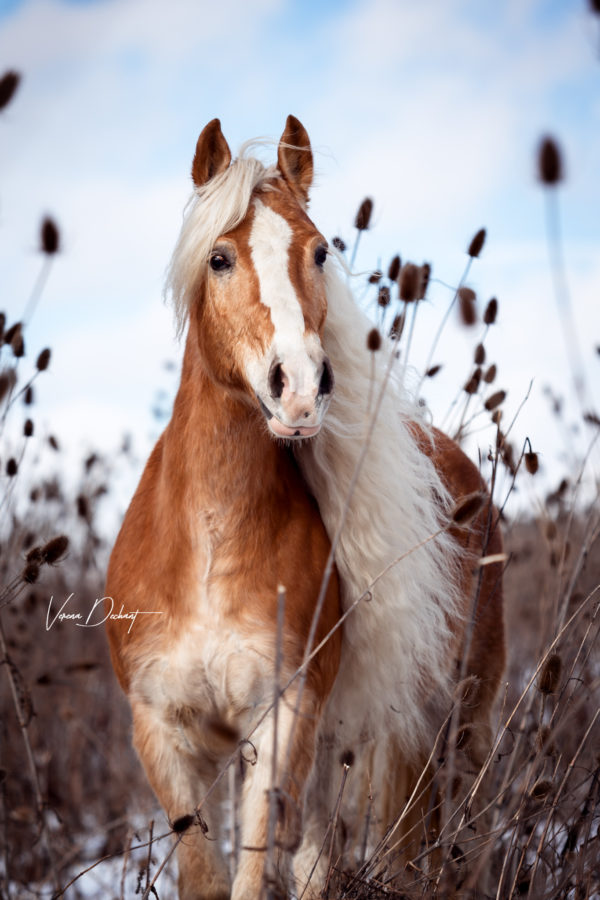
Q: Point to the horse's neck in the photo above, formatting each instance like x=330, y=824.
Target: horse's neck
x=217, y=454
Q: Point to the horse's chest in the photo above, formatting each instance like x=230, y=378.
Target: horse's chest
x=210, y=682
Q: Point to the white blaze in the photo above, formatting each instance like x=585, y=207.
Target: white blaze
x=270, y=241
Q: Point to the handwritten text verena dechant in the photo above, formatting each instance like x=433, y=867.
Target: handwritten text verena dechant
x=96, y=616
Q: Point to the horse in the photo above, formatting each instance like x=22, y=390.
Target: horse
x=303, y=593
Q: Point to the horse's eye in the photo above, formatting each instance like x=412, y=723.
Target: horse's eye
x=218, y=262
x=320, y=255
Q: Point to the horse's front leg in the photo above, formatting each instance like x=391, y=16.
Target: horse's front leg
x=258, y=869
x=181, y=778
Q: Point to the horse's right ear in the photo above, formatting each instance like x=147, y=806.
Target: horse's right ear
x=212, y=154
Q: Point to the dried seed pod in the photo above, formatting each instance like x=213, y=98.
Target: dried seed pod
x=497, y=416
x=83, y=507
x=28, y=396
x=425, y=276
x=339, y=244
x=383, y=296
x=479, y=355
x=12, y=467
x=397, y=327
x=477, y=243
x=35, y=555
x=8, y=86
x=55, y=548
x=490, y=374
x=550, y=166
x=8, y=379
x=472, y=385
x=347, y=758
x=53, y=442
x=183, y=823
x=468, y=507
x=532, y=463
x=28, y=428
x=363, y=216
x=31, y=573
x=373, y=340
x=394, y=268
x=375, y=277
x=430, y=373
x=49, y=237
x=466, y=301
x=43, y=360
x=409, y=282
x=491, y=311
x=540, y=789
x=550, y=673
x=495, y=400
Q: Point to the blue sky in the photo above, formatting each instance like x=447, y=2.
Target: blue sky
x=434, y=109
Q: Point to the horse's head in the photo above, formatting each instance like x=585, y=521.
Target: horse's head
x=260, y=310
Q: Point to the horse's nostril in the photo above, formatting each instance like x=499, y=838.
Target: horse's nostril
x=326, y=382
x=276, y=380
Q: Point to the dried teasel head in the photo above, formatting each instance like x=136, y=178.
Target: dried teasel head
x=375, y=277
x=550, y=673
x=425, y=276
x=495, y=400
x=541, y=789
x=550, y=167
x=532, y=462
x=363, y=216
x=476, y=245
x=55, y=548
x=397, y=327
x=466, y=306
x=339, y=244
x=43, y=360
x=28, y=428
x=8, y=87
x=394, y=268
x=383, y=296
x=409, y=282
x=490, y=374
x=432, y=372
x=49, y=237
x=491, y=311
x=373, y=340
x=479, y=355
x=30, y=573
x=472, y=385
x=12, y=467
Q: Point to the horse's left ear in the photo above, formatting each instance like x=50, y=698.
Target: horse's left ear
x=295, y=159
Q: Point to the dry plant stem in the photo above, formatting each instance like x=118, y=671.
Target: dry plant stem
x=411, y=330
x=270, y=869
x=346, y=769
x=125, y=861
x=149, y=859
x=436, y=339
x=38, y=288
x=127, y=849
x=30, y=759
x=561, y=293
x=566, y=776
x=525, y=692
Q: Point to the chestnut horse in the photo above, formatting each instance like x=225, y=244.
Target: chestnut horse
x=267, y=472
